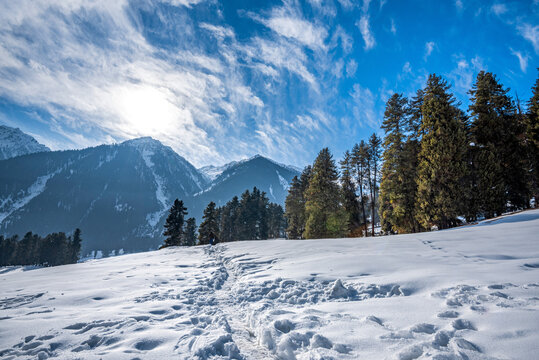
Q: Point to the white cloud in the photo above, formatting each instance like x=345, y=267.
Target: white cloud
x=364, y=106
x=393, y=28
x=407, y=68
x=530, y=33
x=522, y=59
x=459, y=5
x=463, y=75
x=498, y=9
x=351, y=68
x=300, y=30
x=347, y=42
x=364, y=28
x=429, y=47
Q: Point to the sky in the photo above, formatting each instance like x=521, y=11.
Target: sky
x=224, y=80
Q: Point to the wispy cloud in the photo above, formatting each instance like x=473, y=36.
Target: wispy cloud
x=351, y=68
x=365, y=29
x=393, y=27
x=530, y=33
x=459, y=5
x=498, y=9
x=364, y=106
x=429, y=47
x=522, y=59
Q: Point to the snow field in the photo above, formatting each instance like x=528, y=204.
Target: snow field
x=466, y=293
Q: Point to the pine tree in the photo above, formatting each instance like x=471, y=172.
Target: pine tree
x=395, y=212
x=75, y=246
x=442, y=157
x=498, y=151
x=374, y=160
x=350, y=203
x=325, y=216
x=189, y=233
x=532, y=139
x=210, y=225
x=276, y=221
x=174, y=224
x=360, y=161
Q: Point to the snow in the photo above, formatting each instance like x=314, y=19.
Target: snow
x=13, y=142
x=465, y=293
x=9, y=205
x=283, y=181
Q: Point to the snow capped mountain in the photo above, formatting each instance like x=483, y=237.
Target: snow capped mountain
x=211, y=172
x=119, y=195
x=267, y=175
x=13, y=142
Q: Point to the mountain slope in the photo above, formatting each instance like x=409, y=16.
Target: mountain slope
x=13, y=142
x=117, y=194
x=267, y=175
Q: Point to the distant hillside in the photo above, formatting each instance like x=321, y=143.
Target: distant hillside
x=119, y=195
x=13, y=142
x=267, y=175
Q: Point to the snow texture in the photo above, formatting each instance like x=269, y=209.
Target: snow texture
x=466, y=293
x=13, y=142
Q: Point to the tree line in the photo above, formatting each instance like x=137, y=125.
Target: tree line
x=436, y=167
x=51, y=250
x=249, y=217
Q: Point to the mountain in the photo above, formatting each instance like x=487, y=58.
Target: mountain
x=13, y=142
x=118, y=195
x=267, y=175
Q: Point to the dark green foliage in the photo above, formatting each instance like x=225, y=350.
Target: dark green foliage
x=374, y=161
x=209, y=228
x=349, y=196
x=360, y=162
x=276, y=221
x=54, y=249
x=532, y=139
x=326, y=217
x=295, y=204
x=189, y=233
x=174, y=224
x=397, y=187
x=442, y=158
x=499, y=153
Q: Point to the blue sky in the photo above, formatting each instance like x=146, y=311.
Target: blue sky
x=224, y=80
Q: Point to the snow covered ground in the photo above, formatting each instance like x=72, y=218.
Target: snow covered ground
x=466, y=293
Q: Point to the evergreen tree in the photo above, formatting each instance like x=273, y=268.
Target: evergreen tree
x=442, y=157
x=499, y=154
x=350, y=203
x=276, y=221
x=75, y=246
x=228, y=221
x=360, y=161
x=209, y=226
x=374, y=160
x=396, y=198
x=189, y=233
x=532, y=139
x=174, y=224
x=325, y=216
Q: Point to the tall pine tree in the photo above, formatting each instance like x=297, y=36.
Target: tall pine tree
x=350, y=203
x=325, y=216
x=374, y=160
x=499, y=154
x=210, y=224
x=189, y=233
x=442, y=157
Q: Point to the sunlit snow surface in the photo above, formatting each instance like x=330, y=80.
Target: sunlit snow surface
x=467, y=293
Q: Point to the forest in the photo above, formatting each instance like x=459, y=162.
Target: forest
x=436, y=167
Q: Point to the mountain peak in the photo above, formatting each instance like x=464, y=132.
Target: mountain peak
x=14, y=142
